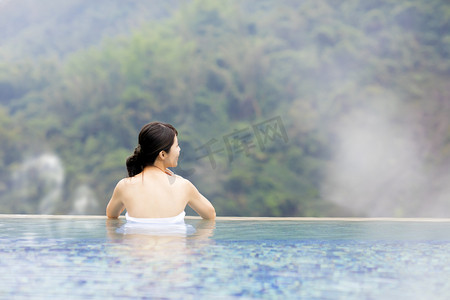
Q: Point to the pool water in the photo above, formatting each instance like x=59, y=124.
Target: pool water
x=88, y=258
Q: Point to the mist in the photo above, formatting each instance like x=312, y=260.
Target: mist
x=379, y=168
x=39, y=182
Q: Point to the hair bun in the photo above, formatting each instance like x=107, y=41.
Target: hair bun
x=134, y=162
x=138, y=150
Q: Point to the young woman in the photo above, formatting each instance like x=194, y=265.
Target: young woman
x=152, y=192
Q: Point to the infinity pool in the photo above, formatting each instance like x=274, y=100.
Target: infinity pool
x=89, y=258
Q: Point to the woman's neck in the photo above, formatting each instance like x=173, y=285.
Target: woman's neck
x=161, y=167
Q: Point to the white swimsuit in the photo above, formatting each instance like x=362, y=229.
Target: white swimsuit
x=172, y=226
x=171, y=220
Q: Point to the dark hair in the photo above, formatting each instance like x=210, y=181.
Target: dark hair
x=153, y=138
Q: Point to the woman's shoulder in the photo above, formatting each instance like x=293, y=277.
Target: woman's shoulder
x=126, y=183
x=183, y=181
x=180, y=179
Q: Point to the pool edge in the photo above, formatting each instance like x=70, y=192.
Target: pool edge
x=376, y=219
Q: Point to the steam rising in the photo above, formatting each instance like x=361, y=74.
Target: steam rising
x=39, y=183
x=40, y=177
x=378, y=170
x=84, y=201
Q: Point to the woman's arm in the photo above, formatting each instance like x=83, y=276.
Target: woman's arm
x=200, y=204
x=115, y=206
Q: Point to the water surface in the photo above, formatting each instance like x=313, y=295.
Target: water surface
x=86, y=258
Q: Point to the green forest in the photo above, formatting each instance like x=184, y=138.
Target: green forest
x=283, y=107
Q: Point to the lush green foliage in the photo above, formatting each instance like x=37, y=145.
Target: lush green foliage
x=212, y=68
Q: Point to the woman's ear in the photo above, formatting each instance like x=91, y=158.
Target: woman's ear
x=162, y=155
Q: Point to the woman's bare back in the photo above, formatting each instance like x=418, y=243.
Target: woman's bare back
x=154, y=194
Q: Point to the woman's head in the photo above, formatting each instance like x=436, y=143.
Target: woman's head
x=155, y=139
